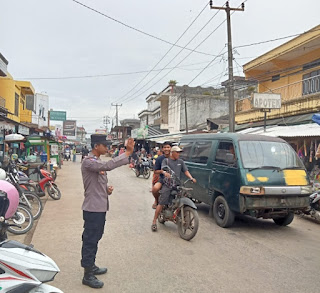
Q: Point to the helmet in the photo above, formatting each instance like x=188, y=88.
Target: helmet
x=3, y=174
x=13, y=197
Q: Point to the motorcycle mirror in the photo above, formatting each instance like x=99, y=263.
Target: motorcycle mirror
x=166, y=168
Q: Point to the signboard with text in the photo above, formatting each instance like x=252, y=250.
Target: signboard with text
x=69, y=128
x=58, y=115
x=266, y=101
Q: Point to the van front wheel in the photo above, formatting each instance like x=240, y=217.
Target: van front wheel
x=284, y=221
x=222, y=214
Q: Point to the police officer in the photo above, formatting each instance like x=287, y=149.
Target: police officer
x=96, y=203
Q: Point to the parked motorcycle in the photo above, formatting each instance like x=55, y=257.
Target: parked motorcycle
x=27, y=197
x=46, y=182
x=142, y=168
x=314, y=208
x=22, y=268
x=181, y=210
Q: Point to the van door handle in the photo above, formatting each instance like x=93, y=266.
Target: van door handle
x=214, y=170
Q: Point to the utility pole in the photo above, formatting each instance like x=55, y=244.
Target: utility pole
x=116, y=105
x=227, y=9
x=185, y=109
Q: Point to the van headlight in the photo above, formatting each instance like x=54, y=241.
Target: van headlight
x=252, y=190
x=306, y=189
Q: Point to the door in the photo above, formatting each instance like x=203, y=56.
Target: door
x=225, y=174
x=199, y=166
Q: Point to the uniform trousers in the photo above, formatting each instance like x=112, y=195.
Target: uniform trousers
x=93, y=230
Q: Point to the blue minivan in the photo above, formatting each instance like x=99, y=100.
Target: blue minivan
x=253, y=175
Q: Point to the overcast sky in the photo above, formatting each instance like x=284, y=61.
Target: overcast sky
x=60, y=38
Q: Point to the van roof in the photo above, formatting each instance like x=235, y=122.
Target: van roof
x=233, y=136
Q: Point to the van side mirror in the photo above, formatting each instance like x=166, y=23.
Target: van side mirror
x=230, y=159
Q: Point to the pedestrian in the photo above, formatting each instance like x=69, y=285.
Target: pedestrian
x=85, y=152
x=74, y=154
x=96, y=203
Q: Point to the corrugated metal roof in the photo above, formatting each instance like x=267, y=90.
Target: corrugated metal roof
x=303, y=130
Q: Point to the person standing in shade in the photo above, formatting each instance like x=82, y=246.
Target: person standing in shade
x=96, y=203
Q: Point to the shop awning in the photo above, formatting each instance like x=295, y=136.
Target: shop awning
x=162, y=139
x=303, y=130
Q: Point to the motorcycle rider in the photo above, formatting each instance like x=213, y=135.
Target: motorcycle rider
x=157, y=182
x=177, y=165
x=96, y=203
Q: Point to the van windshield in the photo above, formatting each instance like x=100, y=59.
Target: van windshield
x=260, y=154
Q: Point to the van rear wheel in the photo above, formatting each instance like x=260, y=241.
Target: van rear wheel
x=284, y=221
x=222, y=214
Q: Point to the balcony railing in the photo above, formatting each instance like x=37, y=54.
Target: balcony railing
x=295, y=90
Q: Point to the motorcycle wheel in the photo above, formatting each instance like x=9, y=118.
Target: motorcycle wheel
x=190, y=228
x=146, y=173
x=53, y=191
x=161, y=218
x=23, y=218
x=33, y=202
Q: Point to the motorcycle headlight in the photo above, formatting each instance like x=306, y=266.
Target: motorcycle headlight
x=306, y=189
x=43, y=276
x=252, y=190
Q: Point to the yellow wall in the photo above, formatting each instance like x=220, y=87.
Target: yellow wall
x=8, y=89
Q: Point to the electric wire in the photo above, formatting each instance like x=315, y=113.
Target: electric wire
x=135, y=29
x=185, y=31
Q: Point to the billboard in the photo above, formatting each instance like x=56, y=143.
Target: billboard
x=69, y=128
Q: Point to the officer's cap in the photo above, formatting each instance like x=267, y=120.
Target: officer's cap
x=99, y=139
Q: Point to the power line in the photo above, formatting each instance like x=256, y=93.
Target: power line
x=276, y=39
x=106, y=75
x=164, y=54
x=135, y=29
x=183, y=60
x=175, y=58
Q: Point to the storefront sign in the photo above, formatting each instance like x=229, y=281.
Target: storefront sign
x=23, y=130
x=266, y=101
x=58, y=115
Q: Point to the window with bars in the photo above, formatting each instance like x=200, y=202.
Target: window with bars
x=311, y=83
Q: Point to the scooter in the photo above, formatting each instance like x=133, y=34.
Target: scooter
x=22, y=268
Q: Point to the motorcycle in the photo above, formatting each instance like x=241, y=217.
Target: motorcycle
x=24, y=167
x=314, y=208
x=27, y=197
x=46, y=182
x=23, y=268
x=142, y=168
x=181, y=210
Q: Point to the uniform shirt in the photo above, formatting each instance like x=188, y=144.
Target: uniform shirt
x=95, y=181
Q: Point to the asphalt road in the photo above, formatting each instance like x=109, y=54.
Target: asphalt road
x=253, y=256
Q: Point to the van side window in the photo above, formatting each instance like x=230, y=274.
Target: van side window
x=225, y=147
x=201, y=152
x=186, y=147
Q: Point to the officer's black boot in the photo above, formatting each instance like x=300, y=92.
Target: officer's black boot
x=90, y=279
x=99, y=271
